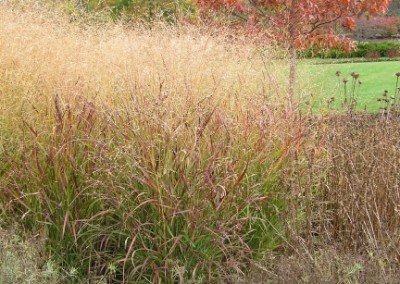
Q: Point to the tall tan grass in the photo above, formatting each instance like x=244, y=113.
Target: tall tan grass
x=165, y=155
x=42, y=54
x=140, y=154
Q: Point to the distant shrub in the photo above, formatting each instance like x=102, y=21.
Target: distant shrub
x=372, y=55
x=364, y=49
x=393, y=53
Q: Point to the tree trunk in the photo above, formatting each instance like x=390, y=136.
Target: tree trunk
x=292, y=106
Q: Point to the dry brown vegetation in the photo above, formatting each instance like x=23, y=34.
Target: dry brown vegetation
x=166, y=155
x=348, y=193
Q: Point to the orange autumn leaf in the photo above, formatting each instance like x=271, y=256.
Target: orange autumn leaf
x=349, y=23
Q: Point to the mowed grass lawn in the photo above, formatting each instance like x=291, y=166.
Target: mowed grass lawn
x=376, y=77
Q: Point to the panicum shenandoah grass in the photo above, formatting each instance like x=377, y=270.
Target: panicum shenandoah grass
x=166, y=156
x=140, y=155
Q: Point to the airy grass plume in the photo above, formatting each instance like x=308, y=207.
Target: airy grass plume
x=138, y=155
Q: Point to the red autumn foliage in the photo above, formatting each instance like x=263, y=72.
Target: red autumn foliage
x=299, y=23
x=393, y=53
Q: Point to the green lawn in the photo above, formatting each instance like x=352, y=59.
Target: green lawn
x=375, y=77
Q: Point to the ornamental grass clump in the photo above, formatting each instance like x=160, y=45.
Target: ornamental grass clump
x=136, y=155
